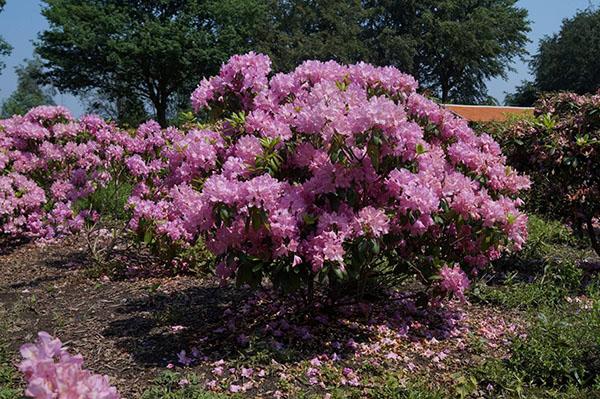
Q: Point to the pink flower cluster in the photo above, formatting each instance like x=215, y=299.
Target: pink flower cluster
x=302, y=169
x=454, y=281
x=50, y=163
x=51, y=372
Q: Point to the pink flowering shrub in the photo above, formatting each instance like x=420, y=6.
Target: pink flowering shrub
x=51, y=372
x=51, y=164
x=330, y=172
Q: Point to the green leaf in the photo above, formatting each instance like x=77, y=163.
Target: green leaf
x=148, y=236
x=339, y=273
x=375, y=247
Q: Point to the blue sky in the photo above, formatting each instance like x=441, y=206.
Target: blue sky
x=21, y=21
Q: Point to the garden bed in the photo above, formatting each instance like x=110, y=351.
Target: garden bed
x=133, y=330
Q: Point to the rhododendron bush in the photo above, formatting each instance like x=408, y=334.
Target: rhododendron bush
x=50, y=161
x=51, y=164
x=330, y=172
x=560, y=148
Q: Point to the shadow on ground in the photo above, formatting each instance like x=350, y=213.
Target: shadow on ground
x=9, y=245
x=238, y=324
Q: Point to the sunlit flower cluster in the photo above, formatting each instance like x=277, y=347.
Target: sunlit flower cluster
x=51, y=372
x=50, y=164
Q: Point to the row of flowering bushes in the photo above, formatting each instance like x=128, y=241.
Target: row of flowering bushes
x=560, y=149
x=328, y=173
x=51, y=163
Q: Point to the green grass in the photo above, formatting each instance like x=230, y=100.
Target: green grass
x=562, y=348
x=9, y=382
x=392, y=389
x=168, y=386
x=560, y=355
x=542, y=274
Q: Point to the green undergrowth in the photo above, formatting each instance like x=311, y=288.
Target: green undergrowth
x=542, y=274
x=110, y=200
x=559, y=355
x=171, y=385
x=9, y=382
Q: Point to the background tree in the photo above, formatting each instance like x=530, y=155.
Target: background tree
x=569, y=59
x=128, y=111
x=315, y=29
x=157, y=51
x=5, y=48
x=464, y=43
x=391, y=30
x=525, y=95
x=145, y=49
x=452, y=46
x=565, y=61
x=29, y=93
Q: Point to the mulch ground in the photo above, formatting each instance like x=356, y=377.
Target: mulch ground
x=132, y=330
x=108, y=322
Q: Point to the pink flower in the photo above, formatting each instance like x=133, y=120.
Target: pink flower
x=373, y=221
x=184, y=359
x=454, y=281
x=51, y=372
x=247, y=372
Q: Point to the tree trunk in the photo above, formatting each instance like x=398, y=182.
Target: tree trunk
x=160, y=99
x=161, y=113
x=445, y=91
x=592, y=234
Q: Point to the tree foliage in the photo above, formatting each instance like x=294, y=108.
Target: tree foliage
x=5, y=48
x=29, y=93
x=463, y=44
x=315, y=29
x=526, y=95
x=453, y=47
x=157, y=50
x=146, y=49
x=569, y=59
x=565, y=61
